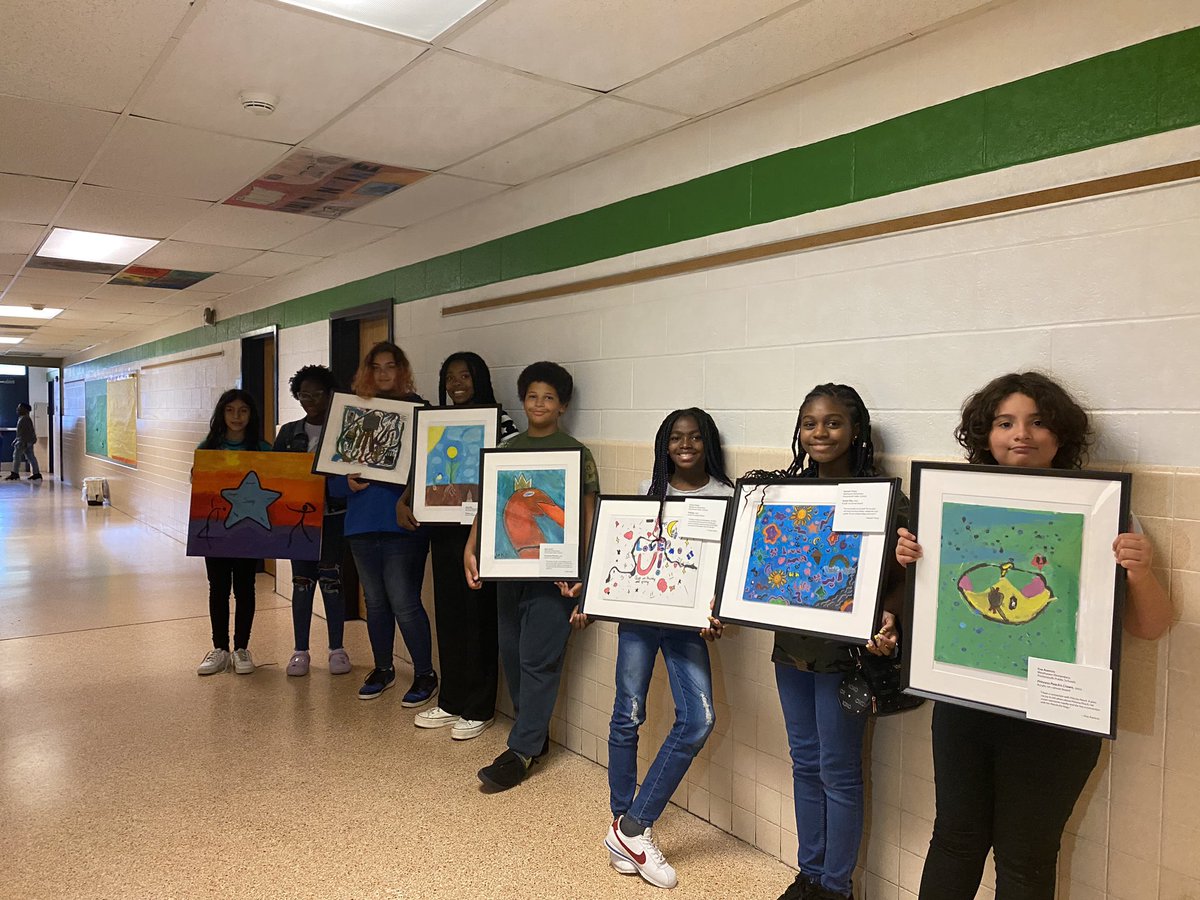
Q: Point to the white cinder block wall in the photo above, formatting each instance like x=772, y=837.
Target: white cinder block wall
x=1099, y=293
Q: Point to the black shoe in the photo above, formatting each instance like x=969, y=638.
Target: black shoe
x=424, y=688
x=816, y=892
x=506, y=771
x=545, y=748
x=13, y=476
x=800, y=889
x=35, y=477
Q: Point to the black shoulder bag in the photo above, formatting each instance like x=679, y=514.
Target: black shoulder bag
x=872, y=687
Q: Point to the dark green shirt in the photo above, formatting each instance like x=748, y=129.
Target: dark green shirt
x=560, y=440
x=814, y=654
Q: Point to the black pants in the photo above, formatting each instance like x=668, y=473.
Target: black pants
x=466, y=629
x=223, y=573
x=1004, y=784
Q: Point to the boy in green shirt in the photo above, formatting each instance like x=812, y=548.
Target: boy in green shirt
x=534, y=617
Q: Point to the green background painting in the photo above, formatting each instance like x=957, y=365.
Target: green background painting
x=1050, y=543
x=96, y=416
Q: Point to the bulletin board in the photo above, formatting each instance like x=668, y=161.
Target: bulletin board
x=110, y=417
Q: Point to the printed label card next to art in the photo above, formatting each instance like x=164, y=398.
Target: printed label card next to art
x=786, y=566
x=642, y=568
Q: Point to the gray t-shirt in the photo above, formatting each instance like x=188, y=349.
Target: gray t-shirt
x=714, y=488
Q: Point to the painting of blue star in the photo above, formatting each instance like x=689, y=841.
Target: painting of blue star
x=255, y=506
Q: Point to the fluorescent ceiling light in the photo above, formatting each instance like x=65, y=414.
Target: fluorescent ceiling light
x=10, y=340
x=421, y=19
x=27, y=312
x=92, y=246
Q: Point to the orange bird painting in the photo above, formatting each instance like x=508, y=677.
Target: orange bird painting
x=530, y=513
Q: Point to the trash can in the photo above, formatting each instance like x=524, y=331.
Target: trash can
x=95, y=490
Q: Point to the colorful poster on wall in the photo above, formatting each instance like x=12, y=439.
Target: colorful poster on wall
x=121, y=411
x=1009, y=587
x=319, y=184
x=255, y=506
x=446, y=453
x=96, y=417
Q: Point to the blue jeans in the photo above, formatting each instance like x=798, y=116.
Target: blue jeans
x=306, y=576
x=391, y=568
x=686, y=657
x=23, y=452
x=826, y=746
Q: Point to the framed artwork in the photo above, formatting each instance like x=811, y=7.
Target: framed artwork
x=1017, y=591
x=372, y=438
x=642, y=569
x=531, y=514
x=786, y=568
x=446, y=453
x=255, y=505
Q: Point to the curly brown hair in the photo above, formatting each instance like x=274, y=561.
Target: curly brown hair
x=1062, y=415
x=364, y=378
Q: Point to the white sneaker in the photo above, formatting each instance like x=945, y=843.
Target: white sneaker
x=465, y=729
x=216, y=661
x=642, y=854
x=243, y=664
x=434, y=718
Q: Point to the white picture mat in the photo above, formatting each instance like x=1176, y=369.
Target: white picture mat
x=497, y=461
x=708, y=552
x=858, y=624
x=326, y=465
x=1098, y=499
x=432, y=417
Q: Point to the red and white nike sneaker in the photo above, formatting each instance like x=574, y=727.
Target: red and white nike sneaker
x=638, y=854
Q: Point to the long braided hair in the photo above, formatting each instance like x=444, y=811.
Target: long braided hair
x=481, y=377
x=862, y=448
x=714, y=455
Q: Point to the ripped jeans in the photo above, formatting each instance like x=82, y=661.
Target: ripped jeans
x=306, y=577
x=686, y=657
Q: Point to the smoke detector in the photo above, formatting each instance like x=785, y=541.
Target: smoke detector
x=258, y=102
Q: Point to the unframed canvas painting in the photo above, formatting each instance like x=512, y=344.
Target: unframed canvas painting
x=529, y=511
x=797, y=559
x=255, y=506
x=1008, y=587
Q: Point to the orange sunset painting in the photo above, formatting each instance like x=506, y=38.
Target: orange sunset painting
x=255, y=505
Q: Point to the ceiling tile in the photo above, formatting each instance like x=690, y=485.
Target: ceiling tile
x=446, y=108
x=337, y=237
x=27, y=292
x=87, y=314
x=60, y=277
x=18, y=238
x=255, y=229
x=159, y=158
x=804, y=41
x=603, y=44
x=272, y=263
x=190, y=299
x=49, y=140
x=110, y=211
x=427, y=198
x=194, y=257
x=10, y=263
x=129, y=292
x=32, y=200
x=228, y=284
x=83, y=53
x=119, y=306
x=224, y=53
x=597, y=128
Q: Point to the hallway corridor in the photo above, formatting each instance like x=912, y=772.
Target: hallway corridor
x=126, y=775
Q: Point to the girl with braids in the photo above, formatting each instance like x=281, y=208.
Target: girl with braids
x=832, y=440
x=983, y=801
x=466, y=619
x=688, y=462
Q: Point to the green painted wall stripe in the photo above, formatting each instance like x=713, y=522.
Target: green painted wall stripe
x=1139, y=90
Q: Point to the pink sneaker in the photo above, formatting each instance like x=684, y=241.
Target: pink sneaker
x=298, y=664
x=339, y=662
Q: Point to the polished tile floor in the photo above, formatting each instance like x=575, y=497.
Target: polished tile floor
x=125, y=774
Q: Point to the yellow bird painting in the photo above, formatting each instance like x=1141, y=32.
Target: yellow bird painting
x=1004, y=593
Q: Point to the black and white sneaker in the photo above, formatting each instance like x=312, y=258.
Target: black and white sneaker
x=377, y=682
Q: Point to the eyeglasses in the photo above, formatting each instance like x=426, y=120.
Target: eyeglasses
x=310, y=396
